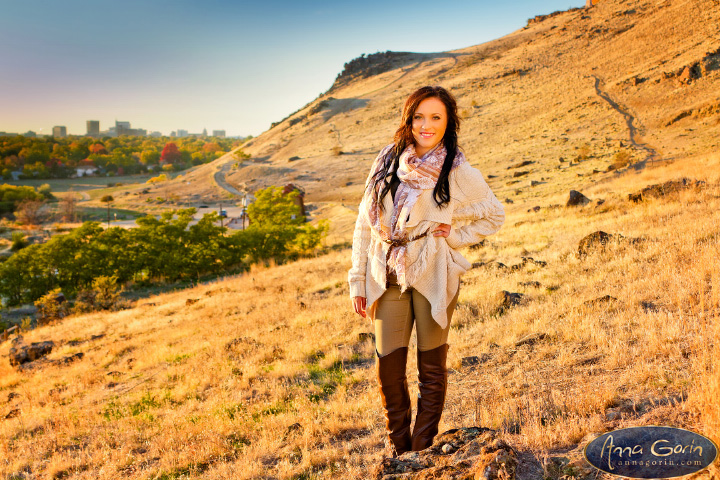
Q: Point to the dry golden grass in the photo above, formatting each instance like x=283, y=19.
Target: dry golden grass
x=265, y=375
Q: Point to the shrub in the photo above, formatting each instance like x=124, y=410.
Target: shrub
x=51, y=306
x=18, y=241
x=621, y=159
x=584, y=152
x=104, y=295
x=31, y=212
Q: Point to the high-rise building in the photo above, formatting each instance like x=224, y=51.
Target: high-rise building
x=219, y=133
x=122, y=128
x=182, y=133
x=204, y=132
x=60, y=132
x=93, y=128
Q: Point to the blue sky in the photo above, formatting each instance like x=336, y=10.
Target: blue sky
x=215, y=64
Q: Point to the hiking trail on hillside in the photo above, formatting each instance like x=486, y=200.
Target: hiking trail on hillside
x=629, y=120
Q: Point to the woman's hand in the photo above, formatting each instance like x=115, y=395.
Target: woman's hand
x=359, y=305
x=442, y=230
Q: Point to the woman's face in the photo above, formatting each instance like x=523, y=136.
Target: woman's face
x=429, y=124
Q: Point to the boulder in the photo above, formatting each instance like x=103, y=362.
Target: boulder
x=594, y=242
x=21, y=353
x=576, y=198
x=505, y=300
x=663, y=189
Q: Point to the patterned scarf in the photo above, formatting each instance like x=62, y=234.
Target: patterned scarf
x=415, y=174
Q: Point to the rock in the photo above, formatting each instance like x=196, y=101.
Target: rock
x=520, y=173
x=467, y=453
x=12, y=395
x=663, y=189
x=191, y=301
x=506, y=300
x=576, y=198
x=12, y=413
x=69, y=359
x=649, y=306
x=534, y=183
x=531, y=283
x=478, y=245
x=21, y=353
x=536, y=208
x=490, y=265
x=526, y=260
x=531, y=339
x=600, y=300
x=521, y=164
x=475, y=360
x=593, y=242
x=689, y=73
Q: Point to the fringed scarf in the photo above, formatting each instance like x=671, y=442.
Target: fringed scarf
x=415, y=174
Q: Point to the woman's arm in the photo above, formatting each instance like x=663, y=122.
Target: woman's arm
x=362, y=236
x=360, y=245
x=479, y=206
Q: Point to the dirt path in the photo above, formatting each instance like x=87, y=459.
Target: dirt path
x=629, y=120
x=219, y=178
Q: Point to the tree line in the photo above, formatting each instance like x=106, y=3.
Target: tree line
x=161, y=249
x=51, y=157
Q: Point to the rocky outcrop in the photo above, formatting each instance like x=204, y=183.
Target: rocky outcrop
x=598, y=241
x=461, y=453
x=663, y=189
x=366, y=66
x=21, y=353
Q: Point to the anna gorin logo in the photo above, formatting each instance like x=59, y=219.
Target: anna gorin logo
x=651, y=452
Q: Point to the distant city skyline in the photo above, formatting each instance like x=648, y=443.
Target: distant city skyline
x=216, y=64
x=120, y=128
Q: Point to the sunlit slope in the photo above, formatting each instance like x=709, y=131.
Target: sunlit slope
x=531, y=95
x=271, y=375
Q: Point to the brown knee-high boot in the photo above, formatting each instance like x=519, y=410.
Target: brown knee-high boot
x=432, y=385
x=396, y=398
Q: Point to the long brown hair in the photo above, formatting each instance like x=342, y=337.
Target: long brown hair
x=404, y=137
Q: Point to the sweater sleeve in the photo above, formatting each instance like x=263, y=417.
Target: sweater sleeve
x=361, y=239
x=360, y=245
x=479, y=206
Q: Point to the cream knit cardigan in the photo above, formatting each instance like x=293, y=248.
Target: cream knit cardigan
x=433, y=263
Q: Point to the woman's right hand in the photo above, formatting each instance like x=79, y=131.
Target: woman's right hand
x=359, y=305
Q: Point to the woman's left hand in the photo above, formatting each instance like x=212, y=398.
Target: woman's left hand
x=442, y=230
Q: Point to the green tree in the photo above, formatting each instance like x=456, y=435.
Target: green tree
x=150, y=157
x=274, y=208
x=107, y=199
x=277, y=227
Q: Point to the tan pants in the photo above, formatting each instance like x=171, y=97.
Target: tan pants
x=395, y=315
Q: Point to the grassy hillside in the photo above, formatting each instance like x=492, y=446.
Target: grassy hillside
x=270, y=375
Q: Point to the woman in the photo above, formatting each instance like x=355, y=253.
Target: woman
x=423, y=201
